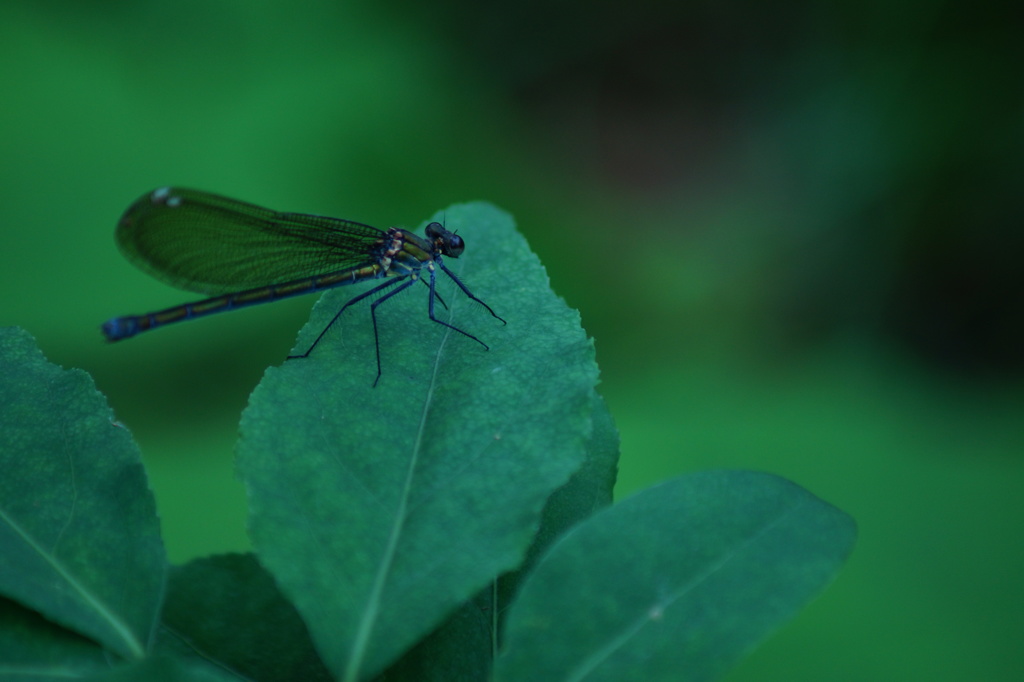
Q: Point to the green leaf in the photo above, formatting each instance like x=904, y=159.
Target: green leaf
x=464, y=646
x=162, y=668
x=380, y=510
x=32, y=647
x=227, y=610
x=460, y=650
x=587, y=492
x=79, y=535
x=676, y=582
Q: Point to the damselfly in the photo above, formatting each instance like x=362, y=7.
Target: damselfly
x=247, y=255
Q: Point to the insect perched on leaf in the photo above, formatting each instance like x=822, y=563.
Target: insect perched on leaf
x=243, y=254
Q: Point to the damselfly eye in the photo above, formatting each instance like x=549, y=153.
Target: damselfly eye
x=454, y=246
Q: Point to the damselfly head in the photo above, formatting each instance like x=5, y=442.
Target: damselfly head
x=450, y=243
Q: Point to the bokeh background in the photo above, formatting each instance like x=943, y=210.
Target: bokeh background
x=794, y=231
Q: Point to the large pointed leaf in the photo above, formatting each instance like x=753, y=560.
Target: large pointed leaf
x=79, y=536
x=674, y=583
x=379, y=510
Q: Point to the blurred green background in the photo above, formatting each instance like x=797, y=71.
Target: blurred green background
x=794, y=231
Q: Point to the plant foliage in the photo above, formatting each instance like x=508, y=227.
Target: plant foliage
x=452, y=523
